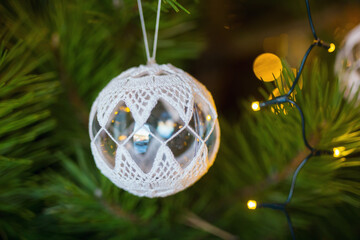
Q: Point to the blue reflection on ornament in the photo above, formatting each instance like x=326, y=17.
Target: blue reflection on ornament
x=141, y=138
x=165, y=126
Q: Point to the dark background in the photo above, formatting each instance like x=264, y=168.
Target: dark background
x=237, y=32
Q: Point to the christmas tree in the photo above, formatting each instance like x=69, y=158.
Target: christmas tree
x=55, y=57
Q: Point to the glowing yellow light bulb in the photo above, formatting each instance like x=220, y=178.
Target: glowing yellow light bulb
x=255, y=106
x=331, y=48
x=208, y=117
x=337, y=152
x=251, y=204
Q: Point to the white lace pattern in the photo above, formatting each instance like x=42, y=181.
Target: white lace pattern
x=140, y=89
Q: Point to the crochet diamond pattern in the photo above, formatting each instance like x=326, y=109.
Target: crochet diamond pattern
x=166, y=166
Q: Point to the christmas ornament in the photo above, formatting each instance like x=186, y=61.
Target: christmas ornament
x=347, y=64
x=154, y=129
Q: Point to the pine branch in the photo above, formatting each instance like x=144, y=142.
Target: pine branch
x=277, y=177
x=79, y=106
x=24, y=119
x=176, y=6
x=195, y=221
x=119, y=212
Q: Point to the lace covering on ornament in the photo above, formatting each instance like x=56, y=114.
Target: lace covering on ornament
x=347, y=64
x=138, y=91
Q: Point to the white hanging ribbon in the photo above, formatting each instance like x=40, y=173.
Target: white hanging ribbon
x=147, y=50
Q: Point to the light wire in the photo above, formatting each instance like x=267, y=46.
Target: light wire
x=300, y=69
x=310, y=19
x=286, y=99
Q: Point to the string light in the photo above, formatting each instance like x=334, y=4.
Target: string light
x=252, y=204
x=331, y=48
x=339, y=152
x=336, y=152
x=256, y=106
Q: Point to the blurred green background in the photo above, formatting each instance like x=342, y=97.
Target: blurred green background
x=55, y=57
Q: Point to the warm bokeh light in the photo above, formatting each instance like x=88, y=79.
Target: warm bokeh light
x=337, y=152
x=251, y=204
x=124, y=109
x=267, y=67
x=331, y=48
x=255, y=106
x=122, y=137
x=276, y=92
x=208, y=118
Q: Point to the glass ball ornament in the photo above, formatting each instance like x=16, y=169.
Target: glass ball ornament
x=154, y=130
x=347, y=64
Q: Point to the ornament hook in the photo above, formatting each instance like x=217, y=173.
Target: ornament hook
x=150, y=59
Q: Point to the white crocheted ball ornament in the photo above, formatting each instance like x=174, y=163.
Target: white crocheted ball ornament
x=347, y=64
x=154, y=130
